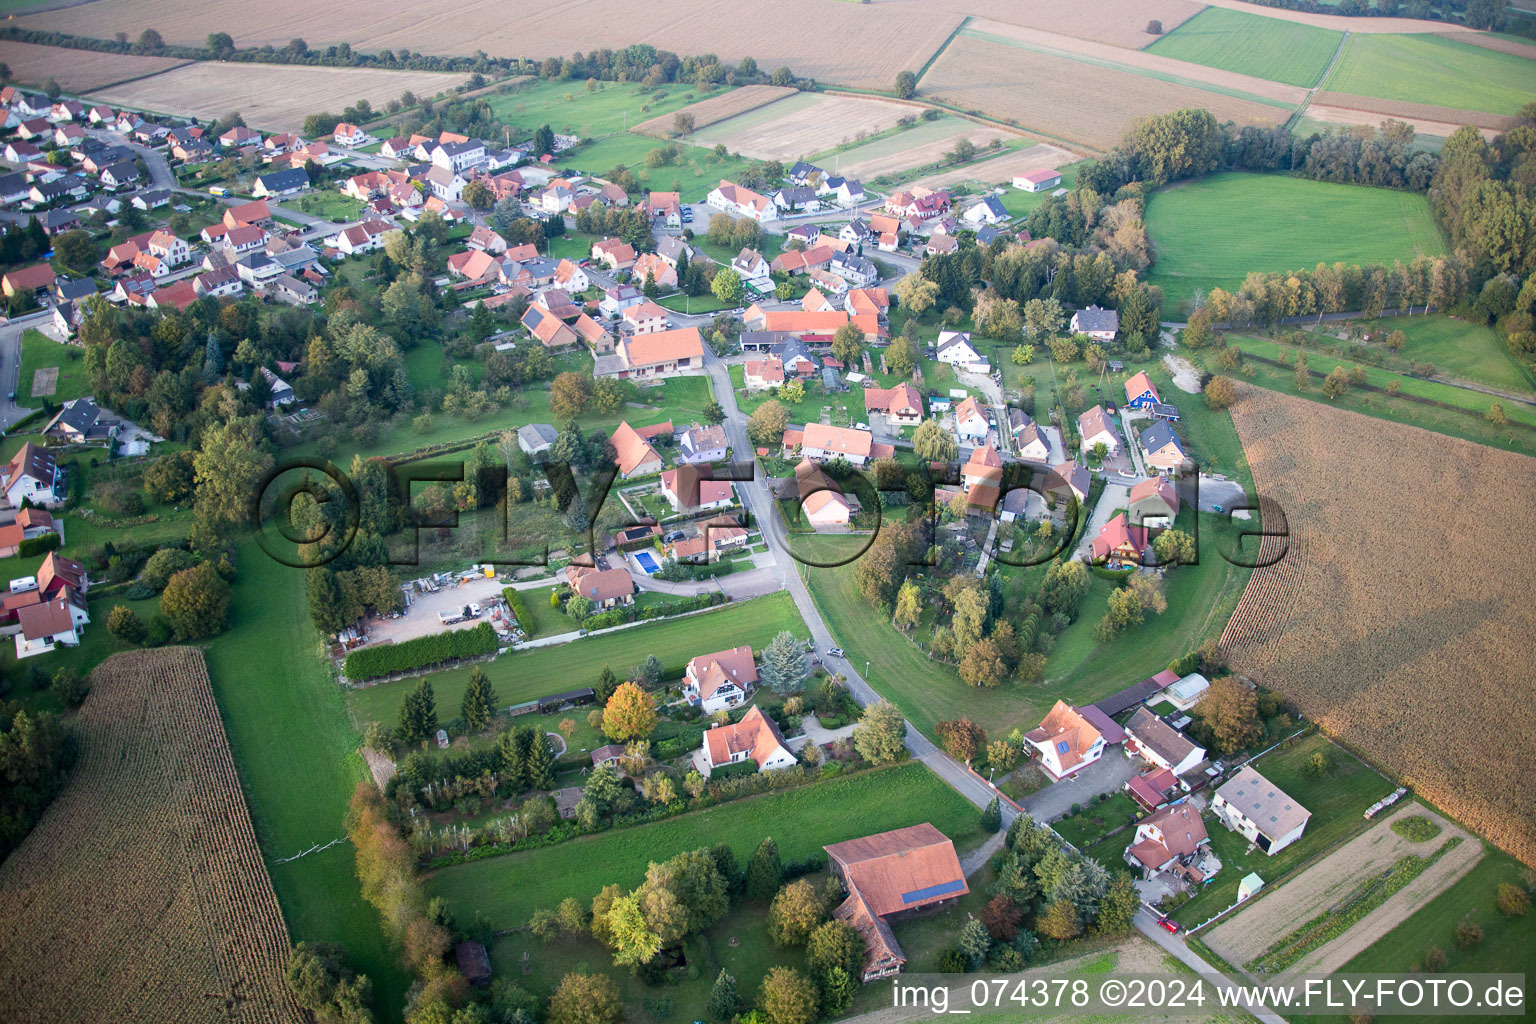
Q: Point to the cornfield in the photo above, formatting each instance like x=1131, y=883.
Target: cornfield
x=141, y=895
x=1400, y=617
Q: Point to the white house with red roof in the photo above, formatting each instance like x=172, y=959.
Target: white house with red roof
x=901, y=404
x=720, y=680
x=742, y=202
x=1065, y=741
x=1037, y=181
x=1170, y=840
x=971, y=424
x=755, y=738
x=634, y=453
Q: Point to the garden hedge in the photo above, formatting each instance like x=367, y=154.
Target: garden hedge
x=421, y=652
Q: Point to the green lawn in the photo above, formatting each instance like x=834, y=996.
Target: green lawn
x=1519, y=434
x=547, y=621
x=1019, y=203
x=1509, y=944
x=1337, y=802
x=331, y=205
x=570, y=109
x=1214, y=231
x=1251, y=44
x=545, y=670
x=681, y=303
x=1090, y=825
x=801, y=821
x=1457, y=348
x=696, y=171
x=38, y=352
x=298, y=763
x=1435, y=71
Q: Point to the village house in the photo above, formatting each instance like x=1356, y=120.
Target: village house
x=57, y=622
x=1140, y=392
x=32, y=474
x=1170, y=840
x=27, y=280
x=755, y=737
x=982, y=478
x=919, y=203
x=815, y=302
x=754, y=270
x=651, y=267
x=1119, y=544
x=805, y=261
x=711, y=539
x=812, y=328
x=954, y=348
x=359, y=238
x=1161, y=449
x=634, y=453
x=902, y=404
x=1095, y=427
x=645, y=318
x=1031, y=444
x=868, y=301
x=658, y=354
x=571, y=278
x=279, y=391
x=703, y=444
x=1251, y=805
x=29, y=524
x=281, y=183
x=220, y=282
x=821, y=500
x=742, y=202
x=1037, y=181
x=619, y=298
x=485, y=239
x=971, y=425
x=1154, y=789
x=79, y=421
x=1153, y=503
x=690, y=488
x=1069, y=479
x=761, y=374
x=668, y=206
x=605, y=588
x=1160, y=744
x=1099, y=324
x=672, y=250
x=889, y=877
x=820, y=442
x=1069, y=739
x=719, y=681
x=941, y=244
x=797, y=198
x=614, y=254
x=989, y=211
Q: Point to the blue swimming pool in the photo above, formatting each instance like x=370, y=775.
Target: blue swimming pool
x=647, y=562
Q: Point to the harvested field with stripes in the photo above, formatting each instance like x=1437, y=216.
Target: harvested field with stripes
x=919, y=146
x=78, y=71
x=716, y=108
x=1065, y=98
x=271, y=96
x=1404, y=111
x=1422, y=126
x=1120, y=23
x=805, y=127
x=141, y=895
x=1398, y=612
x=1001, y=169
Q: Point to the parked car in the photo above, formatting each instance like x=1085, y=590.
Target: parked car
x=1171, y=926
x=835, y=652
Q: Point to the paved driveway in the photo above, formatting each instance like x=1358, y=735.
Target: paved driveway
x=1106, y=775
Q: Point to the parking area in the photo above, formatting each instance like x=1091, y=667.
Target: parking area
x=1106, y=775
x=420, y=619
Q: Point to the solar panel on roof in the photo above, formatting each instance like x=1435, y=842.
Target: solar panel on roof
x=1062, y=747
x=942, y=889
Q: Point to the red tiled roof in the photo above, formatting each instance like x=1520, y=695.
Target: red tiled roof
x=631, y=449
x=901, y=870
x=756, y=733
x=1065, y=724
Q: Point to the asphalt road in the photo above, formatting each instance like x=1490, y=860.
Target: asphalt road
x=10, y=364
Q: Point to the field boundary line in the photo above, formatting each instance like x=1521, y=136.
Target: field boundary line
x=1297, y=114
x=936, y=54
x=138, y=78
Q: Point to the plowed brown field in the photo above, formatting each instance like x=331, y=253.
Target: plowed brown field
x=77, y=70
x=1402, y=618
x=141, y=895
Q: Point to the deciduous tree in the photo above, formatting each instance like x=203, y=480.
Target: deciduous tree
x=630, y=713
x=881, y=735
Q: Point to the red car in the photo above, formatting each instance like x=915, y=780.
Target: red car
x=1172, y=926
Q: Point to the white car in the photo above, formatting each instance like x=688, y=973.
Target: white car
x=835, y=652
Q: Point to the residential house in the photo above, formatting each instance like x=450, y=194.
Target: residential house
x=797, y=198
x=397, y=148
x=755, y=738
x=45, y=625
x=29, y=524
x=169, y=248
x=279, y=391
x=658, y=354
x=614, y=254
x=349, y=135
x=867, y=302
x=67, y=317
x=754, y=270
x=55, y=222
x=1037, y=181
x=989, y=211
x=1160, y=744
x=703, y=444
x=815, y=302
x=535, y=439
x=796, y=358
x=485, y=239
x=1140, y=392
x=902, y=404
x=18, y=152
x=954, y=348
x=719, y=681
x=571, y=278
x=1171, y=840
x=1161, y=449
x=219, y=282
x=1095, y=427
x=888, y=877
x=650, y=266
x=1065, y=741
x=690, y=488
x=1120, y=544
x=444, y=183
x=459, y=156
x=79, y=421
x=821, y=500
x=33, y=474
x=255, y=212
x=645, y=318
x=119, y=175
x=712, y=539
x=982, y=477
x=619, y=298
x=1031, y=445
x=856, y=232
x=743, y=202
x=856, y=270
x=971, y=425
x=812, y=328
x=359, y=238
x=1153, y=789
x=1068, y=479
x=58, y=575
x=761, y=374
x=544, y=325
x=666, y=205
x=1153, y=503
x=239, y=136
x=634, y=454
x=28, y=280
x=941, y=244
x=15, y=187
x=1250, y=804
x=605, y=588
x=1099, y=324
x=672, y=249
x=804, y=261
x=474, y=265
x=281, y=183
x=156, y=267
x=919, y=203
x=847, y=192
x=293, y=290
x=821, y=443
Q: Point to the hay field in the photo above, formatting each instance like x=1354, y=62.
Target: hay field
x=77, y=71
x=919, y=146
x=812, y=37
x=141, y=895
x=809, y=126
x=272, y=96
x=716, y=108
x=1433, y=70
x=1400, y=619
x=1285, y=51
x=1001, y=169
x=1224, y=78
x=1068, y=99
x=1412, y=111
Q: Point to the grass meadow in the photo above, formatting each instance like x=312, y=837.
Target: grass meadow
x=1469, y=351
x=545, y=670
x=1212, y=232
x=1251, y=44
x=39, y=352
x=1431, y=70
x=801, y=821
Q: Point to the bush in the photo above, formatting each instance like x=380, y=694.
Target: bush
x=1512, y=900
x=34, y=546
x=422, y=651
x=731, y=771
x=1416, y=828
x=1468, y=934
x=518, y=607
x=1435, y=959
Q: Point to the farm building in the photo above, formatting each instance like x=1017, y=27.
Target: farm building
x=1159, y=743
x=1255, y=807
x=1037, y=181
